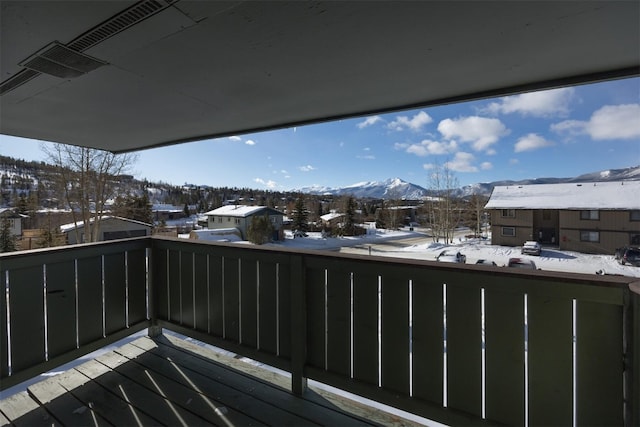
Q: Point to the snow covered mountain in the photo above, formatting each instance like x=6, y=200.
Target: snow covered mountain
x=396, y=188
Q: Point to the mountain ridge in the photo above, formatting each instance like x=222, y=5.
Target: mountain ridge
x=397, y=188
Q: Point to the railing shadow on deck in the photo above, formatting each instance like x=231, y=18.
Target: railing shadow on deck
x=457, y=344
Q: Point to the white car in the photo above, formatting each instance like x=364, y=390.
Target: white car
x=449, y=255
x=531, y=248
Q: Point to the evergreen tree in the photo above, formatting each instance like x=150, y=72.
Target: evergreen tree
x=349, y=226
x=133, y=207
x=260, y=230
x=300, y=216
x=7, y=240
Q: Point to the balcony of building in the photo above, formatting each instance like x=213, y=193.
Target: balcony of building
x=455, y=344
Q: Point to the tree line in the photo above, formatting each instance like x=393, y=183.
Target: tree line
x=91, y=183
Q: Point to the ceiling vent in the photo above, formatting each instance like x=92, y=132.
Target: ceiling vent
x=67, y=61
x=117, y=23
x=58, y=60
x=16, y=80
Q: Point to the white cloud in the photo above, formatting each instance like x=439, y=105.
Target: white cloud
x=485, y=166
x=369, y=121
x=235, y=138
x=606, y=123
x=414, y=123
x=531, y=142
x=250, y=142
x=366, y=157
x=462, y=162
x=554, y=102
x=307, y=168
x=268, y=183
x=427, y=147
x=481, y=132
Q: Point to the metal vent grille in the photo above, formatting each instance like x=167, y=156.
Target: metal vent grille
x=16, y=80
x=117, y=23
x=60, y=61
x=67, y=61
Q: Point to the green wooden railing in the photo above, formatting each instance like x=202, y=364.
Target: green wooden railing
x=457, y=344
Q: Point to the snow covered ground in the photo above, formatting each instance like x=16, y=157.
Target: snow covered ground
x=475, y=249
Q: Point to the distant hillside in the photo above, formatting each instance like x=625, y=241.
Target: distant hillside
x=396, y=188
x=19, y=177
x=626, y=174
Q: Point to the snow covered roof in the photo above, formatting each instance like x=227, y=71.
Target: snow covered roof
x=330, y=216
x=68, y=227
x=593, y=195
x=240, y=211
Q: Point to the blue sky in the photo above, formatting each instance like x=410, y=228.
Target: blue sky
x=557, y=133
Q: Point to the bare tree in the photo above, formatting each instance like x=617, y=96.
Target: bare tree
x=87, y=180
x=443, y=212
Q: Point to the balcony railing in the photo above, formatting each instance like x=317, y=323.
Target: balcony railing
x=457, y=344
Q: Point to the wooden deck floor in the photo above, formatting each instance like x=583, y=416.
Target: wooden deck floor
x=170, y=381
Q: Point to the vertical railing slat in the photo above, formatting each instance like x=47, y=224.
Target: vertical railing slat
x=365, y=327
x=249, y=302
x=231, y=299
x=338, y=321
x=285, y=285
x=4, y=339
x=200, y=296
x=136, y=272
x=464, y=367
x=61, y=307
x=504, y=350
x=186, y=289
x=427, y=332
x=268, y=303
x=550, y=357
x=89, y=299
x=599, y=342
x=216, y=303
x=115, y=292
x=395, y=332
x=27, y=317
x=316, y=337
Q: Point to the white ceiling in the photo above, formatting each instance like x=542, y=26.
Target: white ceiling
x=198, y=69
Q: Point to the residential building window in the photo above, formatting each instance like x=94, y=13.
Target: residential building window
x=228, y=219
x=590, y=215
x=634, y=215
x=508, y=213
x=237, y=220
x=219, y=219
x=509, y=231
x=590, y=236
x=635, y=239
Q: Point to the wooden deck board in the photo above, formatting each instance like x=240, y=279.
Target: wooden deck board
x=170, y=381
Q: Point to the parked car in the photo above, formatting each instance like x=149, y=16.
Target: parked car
x=521, y=263
x=449, y=255
x=628, y=255
x=486, y=262
x=531, y=248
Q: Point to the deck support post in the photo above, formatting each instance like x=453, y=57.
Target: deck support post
x=154, y=330
x=631, y=333
x=298, y=326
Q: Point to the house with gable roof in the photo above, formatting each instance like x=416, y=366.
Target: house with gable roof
x=595, y=217
x=14, y=220
x=111, y=228
x=240, y=216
